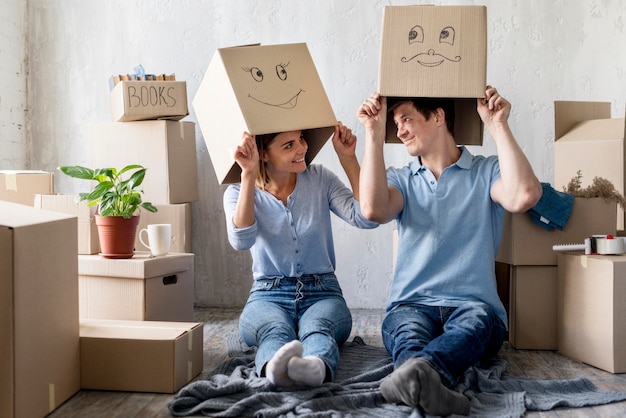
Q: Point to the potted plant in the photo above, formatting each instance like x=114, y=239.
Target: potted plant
x=119, y=201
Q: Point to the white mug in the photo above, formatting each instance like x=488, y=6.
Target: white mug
x=159, y=238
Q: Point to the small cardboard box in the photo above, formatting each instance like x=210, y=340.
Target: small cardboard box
x=139, y=288
x=260, y=89
x=591, y=310
x=145, y=100
x=587, y=140
x=532, y=307
x=526, y=243
x=21, y=186
x=88, y=240
x=39, y=342
x=166, y=148
x=179, y=216
x=139, y=356
x=436, y=51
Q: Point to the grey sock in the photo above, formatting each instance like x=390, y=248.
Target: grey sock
x=435, y=397
x=402, y=386
x=415, y=383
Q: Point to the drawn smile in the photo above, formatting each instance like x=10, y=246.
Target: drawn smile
x=289, y=104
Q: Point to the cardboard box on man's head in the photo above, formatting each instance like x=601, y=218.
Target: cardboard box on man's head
x=436, y=51
x=260, y=89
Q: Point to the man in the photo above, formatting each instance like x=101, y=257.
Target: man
x=444, y=312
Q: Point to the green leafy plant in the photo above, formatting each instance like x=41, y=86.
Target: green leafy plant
x=114, y=195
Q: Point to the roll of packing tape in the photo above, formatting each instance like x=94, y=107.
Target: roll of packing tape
x=610, y=245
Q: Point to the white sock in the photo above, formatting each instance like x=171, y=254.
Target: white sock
x=276, y=369
x=309, y=370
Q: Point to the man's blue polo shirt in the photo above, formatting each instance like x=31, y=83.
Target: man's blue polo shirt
x=449, y=233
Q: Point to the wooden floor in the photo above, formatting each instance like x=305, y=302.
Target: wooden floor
x=219, y=323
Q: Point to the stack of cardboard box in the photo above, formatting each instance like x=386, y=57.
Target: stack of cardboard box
x=120, y=350
x=526, y=266
x=591, y=288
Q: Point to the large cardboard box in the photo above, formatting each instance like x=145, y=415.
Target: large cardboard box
x=589, y=141
x=21, y=186
x=139, y=356
x=39, y=342
x=532, y=307
x=144, y=100
x=179, y=216
x=88, y=240
x=526, y=243
x=166, y=148
x=139, y=288
x=591, y=309
x=436, y=51
x=260, y=89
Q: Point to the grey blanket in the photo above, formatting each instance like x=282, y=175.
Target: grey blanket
x=235, y=390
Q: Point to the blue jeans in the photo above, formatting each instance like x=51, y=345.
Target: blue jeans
x=310, y=308
x=451, y=339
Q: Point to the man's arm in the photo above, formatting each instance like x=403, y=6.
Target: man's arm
x=517, y=189
x=379, y=202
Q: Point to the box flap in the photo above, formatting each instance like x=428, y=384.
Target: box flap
x=260, y=89
x=433, y=51
x=567, y=114
x=595, y=130
x=138, y=330
x=15, y=215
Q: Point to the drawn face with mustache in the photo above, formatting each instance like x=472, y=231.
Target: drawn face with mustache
x=268, y=82
x=432, y=53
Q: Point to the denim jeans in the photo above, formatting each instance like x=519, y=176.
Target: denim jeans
x=310, y=308
x=452, y=339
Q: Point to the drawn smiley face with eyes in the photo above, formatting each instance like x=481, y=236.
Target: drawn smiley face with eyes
x=271, y=87
x=432, y=53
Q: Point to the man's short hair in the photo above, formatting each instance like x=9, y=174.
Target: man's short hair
x=427, y=106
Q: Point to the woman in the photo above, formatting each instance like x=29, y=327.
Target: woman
x=295, y=315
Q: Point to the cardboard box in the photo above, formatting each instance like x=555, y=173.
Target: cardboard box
x=21, y=186
x=166, y=148
x=261, y=90
x=139, y=288
x=139, y=356
x=591, y=310
x=532, y=307
x=589, y=141
x=526, y=243
x=88, y=240
x=179, y=216
x=39, y=342
x=436, y=51
x=145, y=100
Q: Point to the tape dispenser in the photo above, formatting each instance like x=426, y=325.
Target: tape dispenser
x=596, y=244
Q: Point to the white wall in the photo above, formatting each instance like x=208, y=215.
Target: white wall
x=13, y=74
x=539, y=51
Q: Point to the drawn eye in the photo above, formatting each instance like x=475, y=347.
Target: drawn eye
x=281, y=71
x=255, y=72
x=416, y=34
x=447, y=35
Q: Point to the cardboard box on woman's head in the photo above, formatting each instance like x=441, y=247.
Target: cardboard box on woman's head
x=436, y=51
x=260, y=89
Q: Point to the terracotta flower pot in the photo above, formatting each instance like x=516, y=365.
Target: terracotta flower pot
x=117, y=236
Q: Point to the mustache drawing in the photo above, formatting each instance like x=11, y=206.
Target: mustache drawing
x=430, y=58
